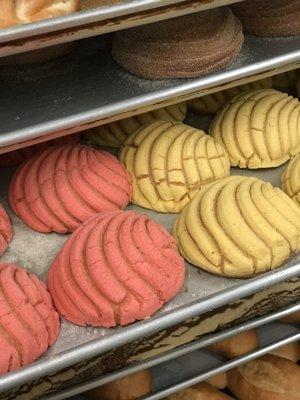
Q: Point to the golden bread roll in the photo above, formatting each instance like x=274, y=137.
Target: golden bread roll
x=290, y=351
x=285, y=82
x=266, y=378
x=259, y=129
x=269, y=17
x=169, y=162
x=201, y=391
x=24, y=11
x=237, y=345
x=213, y=102
x=292, y=318
x=218, y=381
x=291, y=179
x=115, y=133
x=130, y=387
x=239, y=226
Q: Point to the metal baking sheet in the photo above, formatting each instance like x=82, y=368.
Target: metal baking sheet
x=97, y=17
x=201, y=293
x=40, y=102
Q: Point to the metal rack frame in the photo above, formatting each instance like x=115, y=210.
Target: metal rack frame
x=96, y=21
x=255, y=323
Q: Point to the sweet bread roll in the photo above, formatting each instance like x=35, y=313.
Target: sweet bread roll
x=115, y=133
x=290, y=351
x=130, y=387
x=285, y=82
x=269, y=17
x=64, y=185
x=16, y=157
x=201, y=391
x=292, y=318
x=29, y=324
x=218, y=381
x=116, y=268
x=239, y=226
x=6, y=230
x=291, y=179
x=189, y=46
x=266, y=378
x=259, y=129
x=169, y=162
x=24, y=11
x=237, y=345
x=213, y=102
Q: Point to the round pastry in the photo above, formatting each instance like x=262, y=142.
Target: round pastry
x=185, y=47
x=169, y=162
x=28, y=323
x=266, y=378
x=201, y=391
x=213, y=102
x=116, y=268
x=6, y=230
x=286, y=82
x=259, y=129
x=269, y=17
x=114, y=134
x=239, y=226
x=16, y=157
x=60, y=187
x=291, y=179
x=290, y=351
x=24, y=11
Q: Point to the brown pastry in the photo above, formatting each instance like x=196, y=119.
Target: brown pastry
x=290, y=351
x=185, y=47
x=237, y=345
x=202, y=391
x=266, y=378
x=24, y=11
x=292, y=318
x=218, y=381
x=128, y=388
x=269, y=17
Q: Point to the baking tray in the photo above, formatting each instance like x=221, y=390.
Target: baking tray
x=206, y=304
x=97, y=17
x=41, y=102
x=164, y=368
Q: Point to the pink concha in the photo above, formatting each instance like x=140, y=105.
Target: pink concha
x=116, y=268
x=6, y=230
x=16, y=157
x=28, y=322
x=62, y=186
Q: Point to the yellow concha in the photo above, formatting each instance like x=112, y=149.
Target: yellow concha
x=239, y=226
x=286, y=81
x=114, y=133
x=259, y=129
x=213, y=102
x=291, y=179
x=169, y=162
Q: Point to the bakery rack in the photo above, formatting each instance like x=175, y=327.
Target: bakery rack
x=87, y=89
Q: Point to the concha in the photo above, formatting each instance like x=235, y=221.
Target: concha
x=291, y=179
x=239, y=226
x=169, y=162
x=259, y=129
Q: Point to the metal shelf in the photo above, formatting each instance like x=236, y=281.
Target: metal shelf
x=97, y=18
x=210, y=365
x=88, y=88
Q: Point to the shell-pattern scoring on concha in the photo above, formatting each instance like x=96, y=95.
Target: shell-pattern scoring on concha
x=213, y=102
x=169, y=162
x=239, y=226
x=6, y=230
x=29, y=323
x=116, y=268
x=64, y=185
x=291, y=179
x=259, y=129
x=115, y=133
